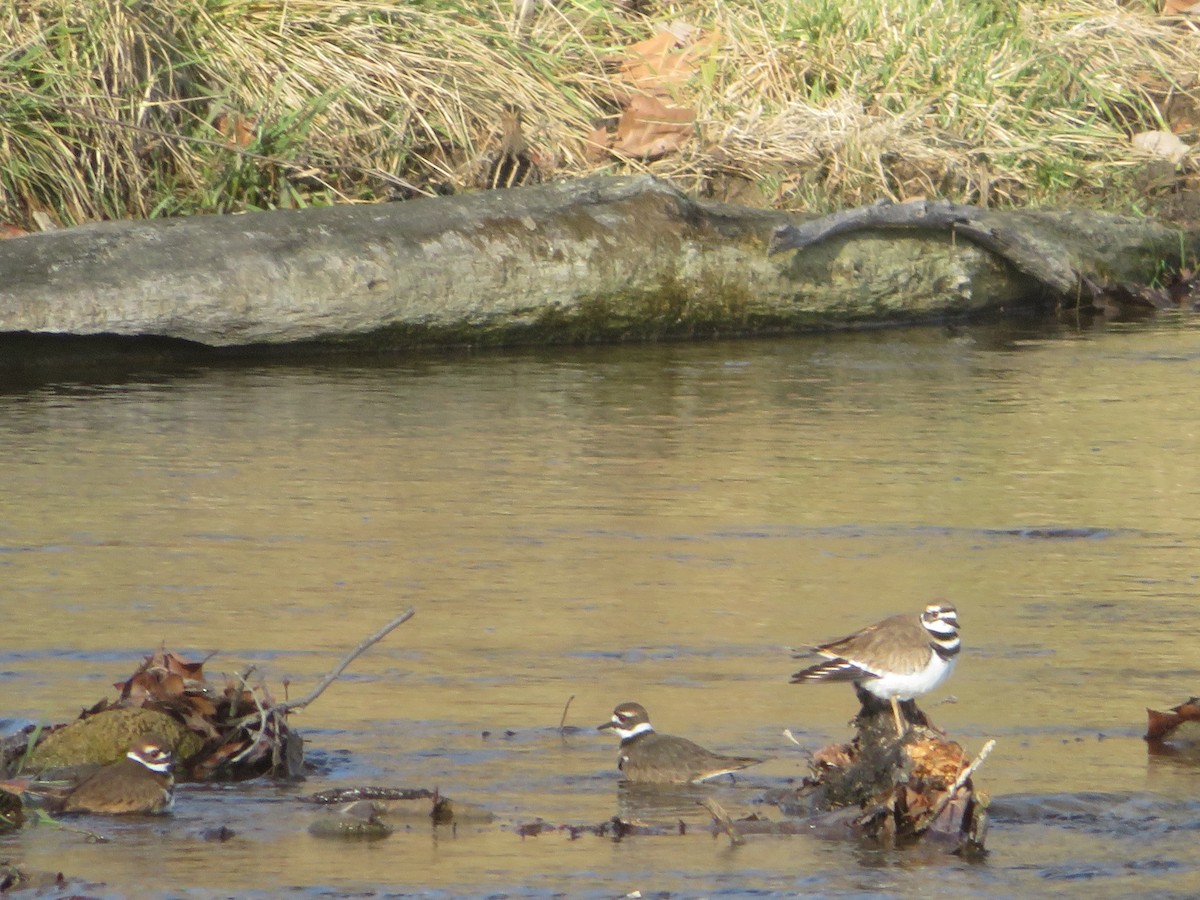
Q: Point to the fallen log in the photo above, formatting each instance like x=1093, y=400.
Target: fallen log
x=596, y=259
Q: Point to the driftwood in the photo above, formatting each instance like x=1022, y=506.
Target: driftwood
x=410, y=803
x=1074, y=278
x=332, y=676
x=894, y=790
x=595, y=259
x=1046, y=264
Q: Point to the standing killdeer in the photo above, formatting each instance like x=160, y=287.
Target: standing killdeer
x=647, y=757
x=139, y=783
x=896, y=659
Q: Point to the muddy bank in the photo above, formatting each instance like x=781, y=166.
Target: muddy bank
x=597, y=259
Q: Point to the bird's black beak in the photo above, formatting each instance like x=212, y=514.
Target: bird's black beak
x=609, y=724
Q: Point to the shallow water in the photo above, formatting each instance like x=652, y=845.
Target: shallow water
x=650, y=523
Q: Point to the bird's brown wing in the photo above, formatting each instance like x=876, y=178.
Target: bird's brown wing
x=887, y=644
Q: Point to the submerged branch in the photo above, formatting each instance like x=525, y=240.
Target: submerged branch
x=721, y=818
x=329, y=679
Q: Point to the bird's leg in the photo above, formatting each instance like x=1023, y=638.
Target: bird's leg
x=896, y=714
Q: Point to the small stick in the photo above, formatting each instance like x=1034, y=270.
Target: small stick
x=563, y=721
x=44, y=818
x=787, y=733
x=262, y=730
x=234, y=700
x=722, y=818
x=962, y=779
x=350, y=657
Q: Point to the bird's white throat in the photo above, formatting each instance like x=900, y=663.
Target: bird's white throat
x=639, y=728
x=163, y=766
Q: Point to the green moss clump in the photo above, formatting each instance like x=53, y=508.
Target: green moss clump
x=105, y=737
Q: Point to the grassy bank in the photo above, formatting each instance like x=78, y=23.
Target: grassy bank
x=117, y=108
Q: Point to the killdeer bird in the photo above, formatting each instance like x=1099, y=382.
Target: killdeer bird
x=896, y=659
x=141, y=783
x=647, y=757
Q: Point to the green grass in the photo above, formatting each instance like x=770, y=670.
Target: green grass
x=108, y=109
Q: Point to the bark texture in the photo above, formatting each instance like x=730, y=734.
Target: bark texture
x=588, y=260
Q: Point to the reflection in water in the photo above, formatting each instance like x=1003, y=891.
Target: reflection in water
x=665, y=802
x=653, y=522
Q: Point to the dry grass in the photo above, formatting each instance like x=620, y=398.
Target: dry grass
x=118, y=108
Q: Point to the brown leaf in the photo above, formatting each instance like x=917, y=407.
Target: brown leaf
x=649, y=129
x=653, y=63
x=1181, y=7
x=188, y=671
x=201, y=724
x=236, y=129
x=218, y=758
x=201, y=705
x=8, y=230
x=597, y=144
x=137, y=689
x=661, y=64
x=1162, y=724
x=169, y=687
x=835, y=756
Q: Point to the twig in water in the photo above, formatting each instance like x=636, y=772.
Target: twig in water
x=962, y=779
x=563, y=721
x=262, y=729
x=41, y=817
x=233, y=700
x=350, y=657
x=722, y=818
x=787, y=733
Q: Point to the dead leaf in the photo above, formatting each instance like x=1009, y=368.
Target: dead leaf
x=598, y=143
x=169, y=687
x=236, y=129
x=1181, y=8
x=835, y=756
x=663, y=63
x=201, y=705
x=649, y=129
x=1161, y=724
x=218, y=757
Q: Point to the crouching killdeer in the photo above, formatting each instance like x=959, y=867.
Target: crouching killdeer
x=896, y=659
x=141, y=783
x=647, y=757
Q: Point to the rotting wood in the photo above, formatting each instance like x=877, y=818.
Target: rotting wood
x=917, y=788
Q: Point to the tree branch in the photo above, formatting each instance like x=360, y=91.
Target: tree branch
x=349, y=658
